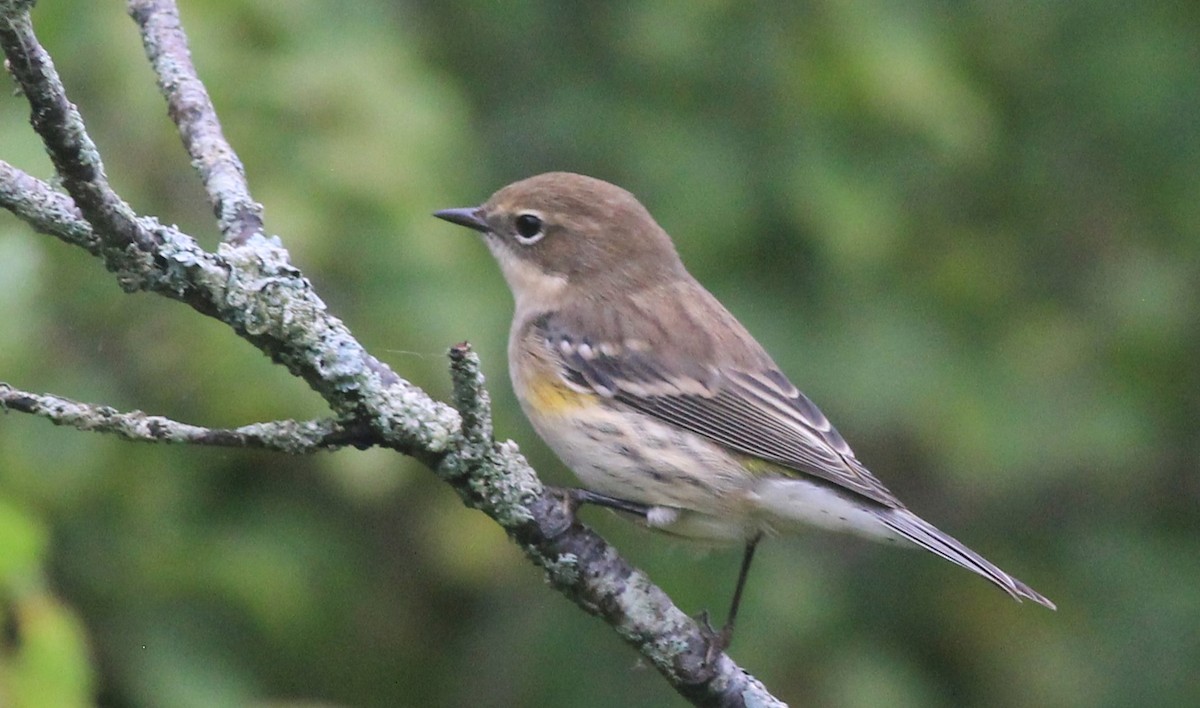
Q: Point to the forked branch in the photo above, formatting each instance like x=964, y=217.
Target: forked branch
x=250, y=285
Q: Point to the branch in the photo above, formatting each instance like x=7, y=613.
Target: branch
x=290, y=436
x=238, y=215
x=257, y=292
x=580, y=564
x=61, y=127
x=45, y=209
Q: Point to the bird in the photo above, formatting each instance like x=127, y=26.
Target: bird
x=656, y=397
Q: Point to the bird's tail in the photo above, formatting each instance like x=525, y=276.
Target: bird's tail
x=927, y=536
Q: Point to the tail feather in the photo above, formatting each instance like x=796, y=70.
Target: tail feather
x=927, y=536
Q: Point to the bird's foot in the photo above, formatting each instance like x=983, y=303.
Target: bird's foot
x=579, y=497
x=716, y=641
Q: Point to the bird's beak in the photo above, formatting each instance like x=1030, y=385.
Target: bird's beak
x=470, y=217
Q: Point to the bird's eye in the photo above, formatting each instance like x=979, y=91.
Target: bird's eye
x=529, y=228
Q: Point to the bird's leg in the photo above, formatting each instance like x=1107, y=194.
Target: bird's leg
x=747, y=558
x=579, y=497
x=719, y=641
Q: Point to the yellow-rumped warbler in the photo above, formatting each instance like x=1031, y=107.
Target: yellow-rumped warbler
x=657, y=398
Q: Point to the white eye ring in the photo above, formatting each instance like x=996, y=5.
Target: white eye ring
x=529, y=228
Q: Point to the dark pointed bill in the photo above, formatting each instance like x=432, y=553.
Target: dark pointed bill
x=469, y=217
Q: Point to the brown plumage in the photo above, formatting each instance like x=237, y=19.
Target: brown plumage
x=653, y=393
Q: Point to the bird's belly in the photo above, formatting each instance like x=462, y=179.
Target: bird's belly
x=786, y=503
x=631, y=456
x=702, y=490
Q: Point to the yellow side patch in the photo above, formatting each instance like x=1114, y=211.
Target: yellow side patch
x=550, y=396
x=765, y=468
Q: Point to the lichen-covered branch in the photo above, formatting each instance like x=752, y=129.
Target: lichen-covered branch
x=251, y=286
x=238, y=215
x=291, y=436
x=496, y=479
x=45, y=209
x=58, y=122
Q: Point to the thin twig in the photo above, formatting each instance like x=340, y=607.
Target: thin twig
x=290, y=436
x=238, y=215
x=472, y=401
x=44, y=208
x=58, y=122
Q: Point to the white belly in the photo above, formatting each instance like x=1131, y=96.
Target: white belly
x=788, y=503
x=699, y=489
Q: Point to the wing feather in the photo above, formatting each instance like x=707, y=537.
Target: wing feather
x=758, y=413
x=744, y=403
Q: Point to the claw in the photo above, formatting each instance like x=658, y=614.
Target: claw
x=715, y=641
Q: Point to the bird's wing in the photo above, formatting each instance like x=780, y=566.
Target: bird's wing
x=754, y=411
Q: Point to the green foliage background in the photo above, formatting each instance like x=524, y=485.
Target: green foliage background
x=968, y=230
